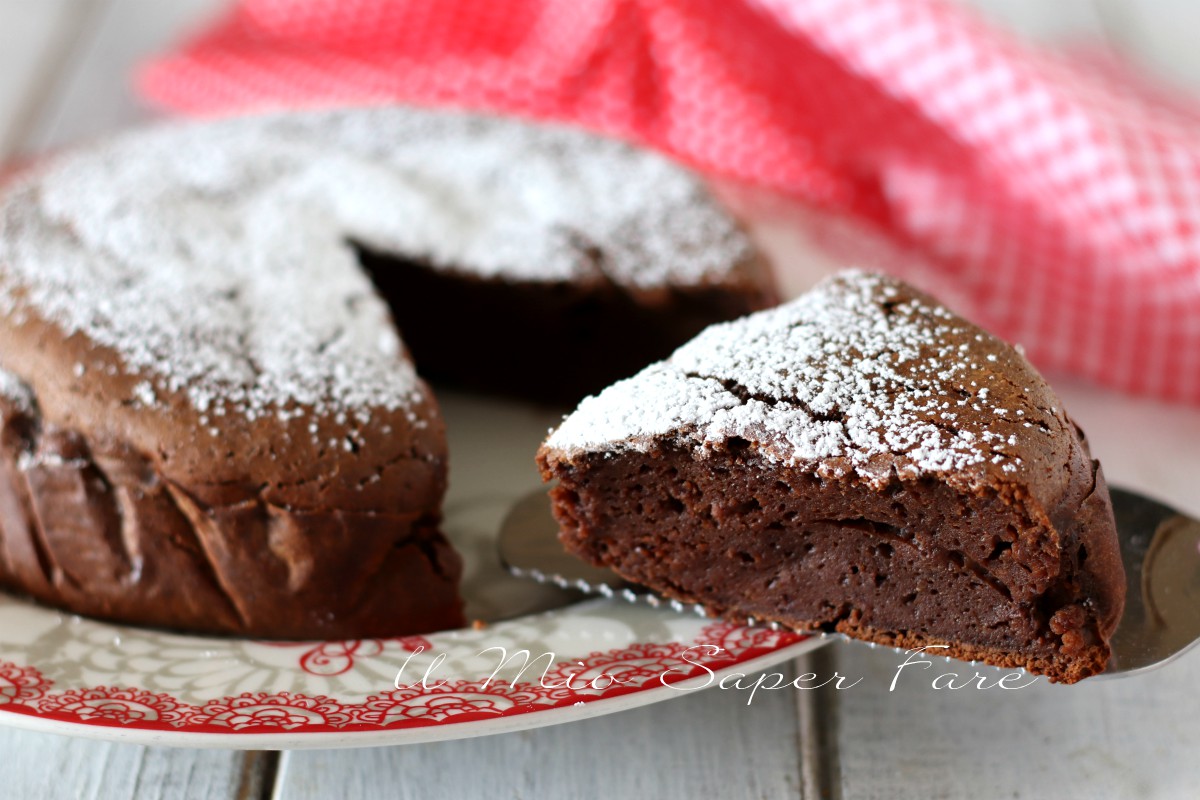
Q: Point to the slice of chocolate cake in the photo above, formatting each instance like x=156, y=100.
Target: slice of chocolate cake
x=861, y=460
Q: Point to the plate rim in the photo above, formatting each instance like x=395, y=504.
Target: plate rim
x=19, y=716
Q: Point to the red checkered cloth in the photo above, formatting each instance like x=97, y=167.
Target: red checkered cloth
x=1055, y=202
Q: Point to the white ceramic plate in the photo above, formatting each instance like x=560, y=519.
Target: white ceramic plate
x=65, y=674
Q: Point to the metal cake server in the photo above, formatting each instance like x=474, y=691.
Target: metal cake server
x=1160, y=548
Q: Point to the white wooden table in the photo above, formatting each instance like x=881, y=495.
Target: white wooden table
x=64, y=66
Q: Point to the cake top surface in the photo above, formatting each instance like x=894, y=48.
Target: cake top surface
x=219, y=259
x=862, y=374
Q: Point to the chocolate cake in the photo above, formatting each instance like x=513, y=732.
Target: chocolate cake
x=858, y=460
x=208, y=419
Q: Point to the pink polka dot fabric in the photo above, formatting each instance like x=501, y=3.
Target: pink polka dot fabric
x=1057, y=200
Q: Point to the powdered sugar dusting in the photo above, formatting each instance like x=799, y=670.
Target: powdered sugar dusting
x=216, y=257
x=16, y=392
x=861, y=374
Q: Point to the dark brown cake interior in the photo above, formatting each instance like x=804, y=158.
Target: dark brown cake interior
x=914, y=564
x=594, y=331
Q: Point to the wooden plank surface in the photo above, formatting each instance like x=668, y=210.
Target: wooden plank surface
x=42, y=765
x=702, y=744
x=93, y=93
x=34, y=40
x=64, y=76
x=1106, y=738
x=1158, y=35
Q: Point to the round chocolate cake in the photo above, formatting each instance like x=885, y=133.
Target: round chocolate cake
x=859, y=460
x=208, y=420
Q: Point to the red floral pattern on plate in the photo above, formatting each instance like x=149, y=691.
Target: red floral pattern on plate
x=284, y=710
x=337, y=657
x=20, y=684
x=638, y=667
x=109, y=705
